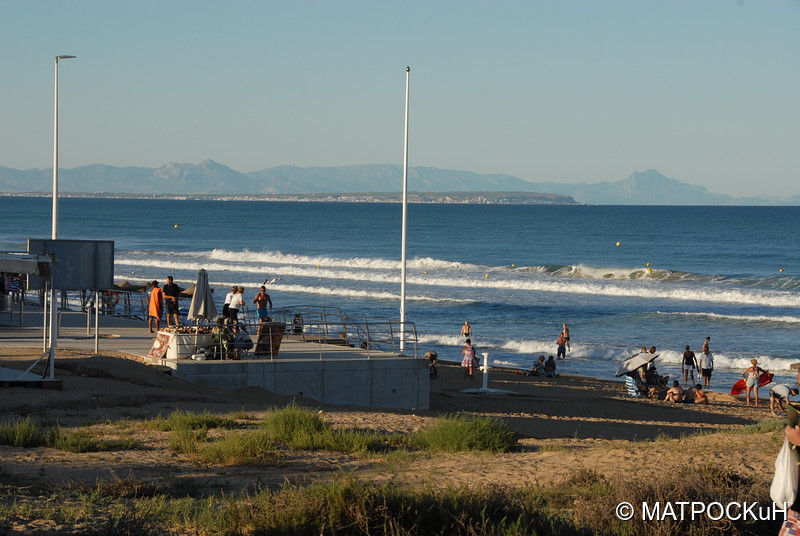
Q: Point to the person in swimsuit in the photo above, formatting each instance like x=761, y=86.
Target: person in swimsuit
x=565, y=333
x=751, y=377
x=561, y=350
x=705, y=345
x=466, y=330
x=689, y=365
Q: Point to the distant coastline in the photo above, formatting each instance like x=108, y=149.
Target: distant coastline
x=470, y=198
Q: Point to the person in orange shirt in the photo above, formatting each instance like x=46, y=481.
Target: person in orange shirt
x=155, y=306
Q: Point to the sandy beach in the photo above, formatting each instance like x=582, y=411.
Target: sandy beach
x=564, y=424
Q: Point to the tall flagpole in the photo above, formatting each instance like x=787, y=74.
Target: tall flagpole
x=405, y=221
x=54, y=234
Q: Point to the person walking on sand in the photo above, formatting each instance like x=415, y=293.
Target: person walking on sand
x=466, y=330
x=263, y=303
x=565, y=333
x=171, y=296
x=155, y=304
x=561, y=344
x=689, y=362
x=706, y=367
x=751, y=376
x=468, y=358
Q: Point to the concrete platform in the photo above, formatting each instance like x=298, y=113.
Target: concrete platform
x=328, y=373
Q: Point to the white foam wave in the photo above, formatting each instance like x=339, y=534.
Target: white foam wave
x=740, y=318
x=629, y=289
x=276, y=257
x=730, y=362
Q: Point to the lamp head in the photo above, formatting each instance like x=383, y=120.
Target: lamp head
x=64, y=57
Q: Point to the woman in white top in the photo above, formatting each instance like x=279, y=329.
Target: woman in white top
x=237, y=302
x=228, y=298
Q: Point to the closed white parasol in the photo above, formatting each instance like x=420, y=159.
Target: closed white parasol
x=202, y=306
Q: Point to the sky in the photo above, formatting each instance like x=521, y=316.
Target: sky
x=706, y=92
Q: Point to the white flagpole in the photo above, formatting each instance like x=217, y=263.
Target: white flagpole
x=405, y=218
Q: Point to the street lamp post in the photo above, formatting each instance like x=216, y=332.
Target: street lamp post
x=55, y=149
x=405, y=217
x=53, y=306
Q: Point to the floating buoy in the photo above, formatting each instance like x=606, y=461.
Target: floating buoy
x=512, y=265
x=780, y=270
x=318, y=266
x=647, y=264
x=617, y=243
x=425, y=272
x=175, y=226
x=649, y=270
x=487, y=276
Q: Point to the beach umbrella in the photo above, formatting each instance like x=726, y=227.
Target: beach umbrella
x=202, y=306
x=634, y=362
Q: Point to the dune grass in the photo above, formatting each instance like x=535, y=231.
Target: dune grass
x=188, y=420
x=455, y=433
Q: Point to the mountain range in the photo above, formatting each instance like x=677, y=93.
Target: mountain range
x=211, y=178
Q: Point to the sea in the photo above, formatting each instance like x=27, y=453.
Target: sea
x=621, y=277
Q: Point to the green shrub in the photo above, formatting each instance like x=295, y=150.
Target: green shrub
x=294, y=423
x=454, y=433
x=253, y=447
x=187, y=440
x=188, y=420
x=21, y=433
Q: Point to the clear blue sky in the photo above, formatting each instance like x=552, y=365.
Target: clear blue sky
x=707, y=92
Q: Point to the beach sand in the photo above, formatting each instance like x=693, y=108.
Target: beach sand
x=564, y=424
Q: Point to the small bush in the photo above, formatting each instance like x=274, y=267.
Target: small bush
x=239, y=449
x=187, y=420
x=294, y=423
x=456, y=433
x=21, y=433
x=186, y=440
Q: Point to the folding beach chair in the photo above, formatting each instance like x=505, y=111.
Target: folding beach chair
x=632, y=388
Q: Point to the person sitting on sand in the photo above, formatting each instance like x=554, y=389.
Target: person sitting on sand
x=652, y=377
x=751, y=376
x=468, y=359
x=779, y=394
x=674, y=393
x=699, y=396
x=550, y=367
x=538, y=367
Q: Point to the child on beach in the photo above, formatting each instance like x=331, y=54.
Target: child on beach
x=699, y=396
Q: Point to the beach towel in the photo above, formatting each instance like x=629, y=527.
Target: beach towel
x=156, y=302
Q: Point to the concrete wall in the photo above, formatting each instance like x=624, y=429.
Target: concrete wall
x=401, y=383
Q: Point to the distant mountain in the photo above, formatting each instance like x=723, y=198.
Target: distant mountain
x=211, y=178
x=644, y=188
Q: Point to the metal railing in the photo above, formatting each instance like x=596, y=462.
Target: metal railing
x=332, y=325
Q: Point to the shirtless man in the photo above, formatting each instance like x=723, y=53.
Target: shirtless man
x=561, y=343
x=466, y=330
x=565, y=333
